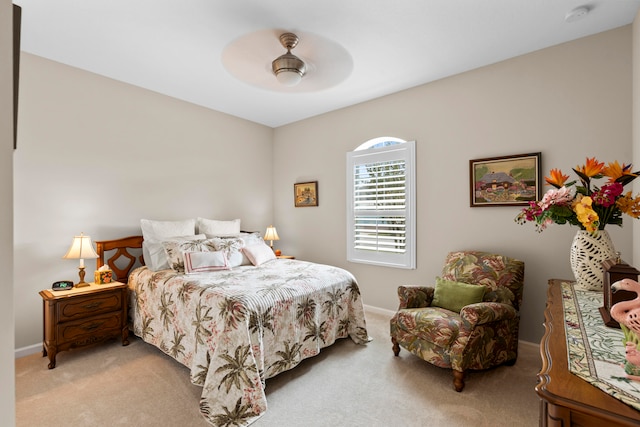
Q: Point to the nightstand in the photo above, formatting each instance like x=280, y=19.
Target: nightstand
x=285, y=257
x=83, y=316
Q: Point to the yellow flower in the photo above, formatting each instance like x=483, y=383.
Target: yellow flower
x=585, y=214
x=614, y=171
x=591, y=168
x=629, y=205
x=556, y=178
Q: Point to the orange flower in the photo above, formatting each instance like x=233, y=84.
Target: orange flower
x=556, y=178
x=592, y=168
x=614, y=171
x=629, y=205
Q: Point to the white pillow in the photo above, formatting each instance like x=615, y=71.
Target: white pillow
x=157, y=231
x=160, y=230
x=216, y=228
x=200, y=262
x=259, y=254
x=154, y=254
x=250, y=239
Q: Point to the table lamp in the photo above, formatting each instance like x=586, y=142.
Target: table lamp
x=271, y=235
x=81, y=248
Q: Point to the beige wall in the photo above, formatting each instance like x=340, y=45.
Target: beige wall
x=96, y=155
x=568, y=102
x=7, y=373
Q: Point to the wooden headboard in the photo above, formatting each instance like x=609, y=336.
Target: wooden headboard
x=123, y=251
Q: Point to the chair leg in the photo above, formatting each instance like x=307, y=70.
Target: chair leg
x=396, y=346
x=458, y=380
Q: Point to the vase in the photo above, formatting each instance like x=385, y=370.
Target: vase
x=587, y=253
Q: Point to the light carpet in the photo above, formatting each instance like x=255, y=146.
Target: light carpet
x=345, y=385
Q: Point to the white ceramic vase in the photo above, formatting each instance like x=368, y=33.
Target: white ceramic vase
x=587, y=253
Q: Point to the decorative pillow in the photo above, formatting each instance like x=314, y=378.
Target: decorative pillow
x=157, y=231
x=201, y=262
x=175, y=249
x=232, y=247
x=259, y=254
x=249, y=239
x=455, y=295
x=156, y=257
x=217, y=228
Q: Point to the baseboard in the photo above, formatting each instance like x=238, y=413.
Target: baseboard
x=27, y=351
x=528, y=343
x=35, y=348
x=378, y=310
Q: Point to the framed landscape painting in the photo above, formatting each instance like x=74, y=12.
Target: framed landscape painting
x=305, y=194
x=505, y=181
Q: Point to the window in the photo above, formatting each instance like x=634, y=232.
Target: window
x=381, y=203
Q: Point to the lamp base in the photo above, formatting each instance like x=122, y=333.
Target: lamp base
x=81, y=283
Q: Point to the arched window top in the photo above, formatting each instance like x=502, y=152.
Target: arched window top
x=382, y=141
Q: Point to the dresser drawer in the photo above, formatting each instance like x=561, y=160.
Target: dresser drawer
x=93, y=326
x=81, y=307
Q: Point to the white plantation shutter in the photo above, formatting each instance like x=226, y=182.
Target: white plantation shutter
x=381, y=206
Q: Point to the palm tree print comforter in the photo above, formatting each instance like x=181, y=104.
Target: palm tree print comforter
x=235, y=328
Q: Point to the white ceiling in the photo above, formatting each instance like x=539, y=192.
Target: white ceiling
x=358, y=49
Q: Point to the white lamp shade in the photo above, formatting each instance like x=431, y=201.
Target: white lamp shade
x=81, y=248
x=271, y=233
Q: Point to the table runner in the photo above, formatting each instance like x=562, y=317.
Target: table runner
x=596, y=351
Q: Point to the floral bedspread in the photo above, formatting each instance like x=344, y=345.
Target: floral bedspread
x=235, y=328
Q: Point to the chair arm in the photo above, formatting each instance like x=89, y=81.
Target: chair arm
x=415, y=296
x=487, y=312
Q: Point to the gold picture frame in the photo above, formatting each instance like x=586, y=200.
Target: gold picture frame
x=305, y=194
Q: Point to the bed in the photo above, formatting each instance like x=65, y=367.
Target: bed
x=236, y=328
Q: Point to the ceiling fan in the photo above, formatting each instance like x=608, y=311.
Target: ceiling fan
x=288, y=68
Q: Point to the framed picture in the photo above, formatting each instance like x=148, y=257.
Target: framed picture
x=305, y=194
x=505, y=181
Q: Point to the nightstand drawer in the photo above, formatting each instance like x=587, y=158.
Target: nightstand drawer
x=71, y=331
x=80, y=307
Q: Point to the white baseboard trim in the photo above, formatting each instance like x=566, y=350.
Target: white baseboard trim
x=528, y=343
x=379, y=310
x=27, y=351
x=35, y=348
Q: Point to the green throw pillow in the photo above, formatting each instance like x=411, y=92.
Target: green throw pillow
x=455, y=295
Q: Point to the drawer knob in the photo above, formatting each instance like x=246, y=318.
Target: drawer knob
x=92, y=305
x=92, y=326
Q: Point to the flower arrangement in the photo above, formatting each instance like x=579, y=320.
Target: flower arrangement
x=590, y=208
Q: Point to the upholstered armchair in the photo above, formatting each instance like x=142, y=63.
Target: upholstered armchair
x=469, y=320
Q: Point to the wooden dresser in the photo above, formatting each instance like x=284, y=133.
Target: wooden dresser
x=83, y=316
x=567, y=400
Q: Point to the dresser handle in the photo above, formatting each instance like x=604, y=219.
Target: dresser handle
x=92, y=326
x=92, y=305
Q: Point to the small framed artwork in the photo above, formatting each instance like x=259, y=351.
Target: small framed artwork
x=305, y=194
x=505, y=181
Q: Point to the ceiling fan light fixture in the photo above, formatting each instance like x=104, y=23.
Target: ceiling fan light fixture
x=288, y=68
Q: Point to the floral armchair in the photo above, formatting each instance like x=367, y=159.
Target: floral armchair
x=473, y=332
